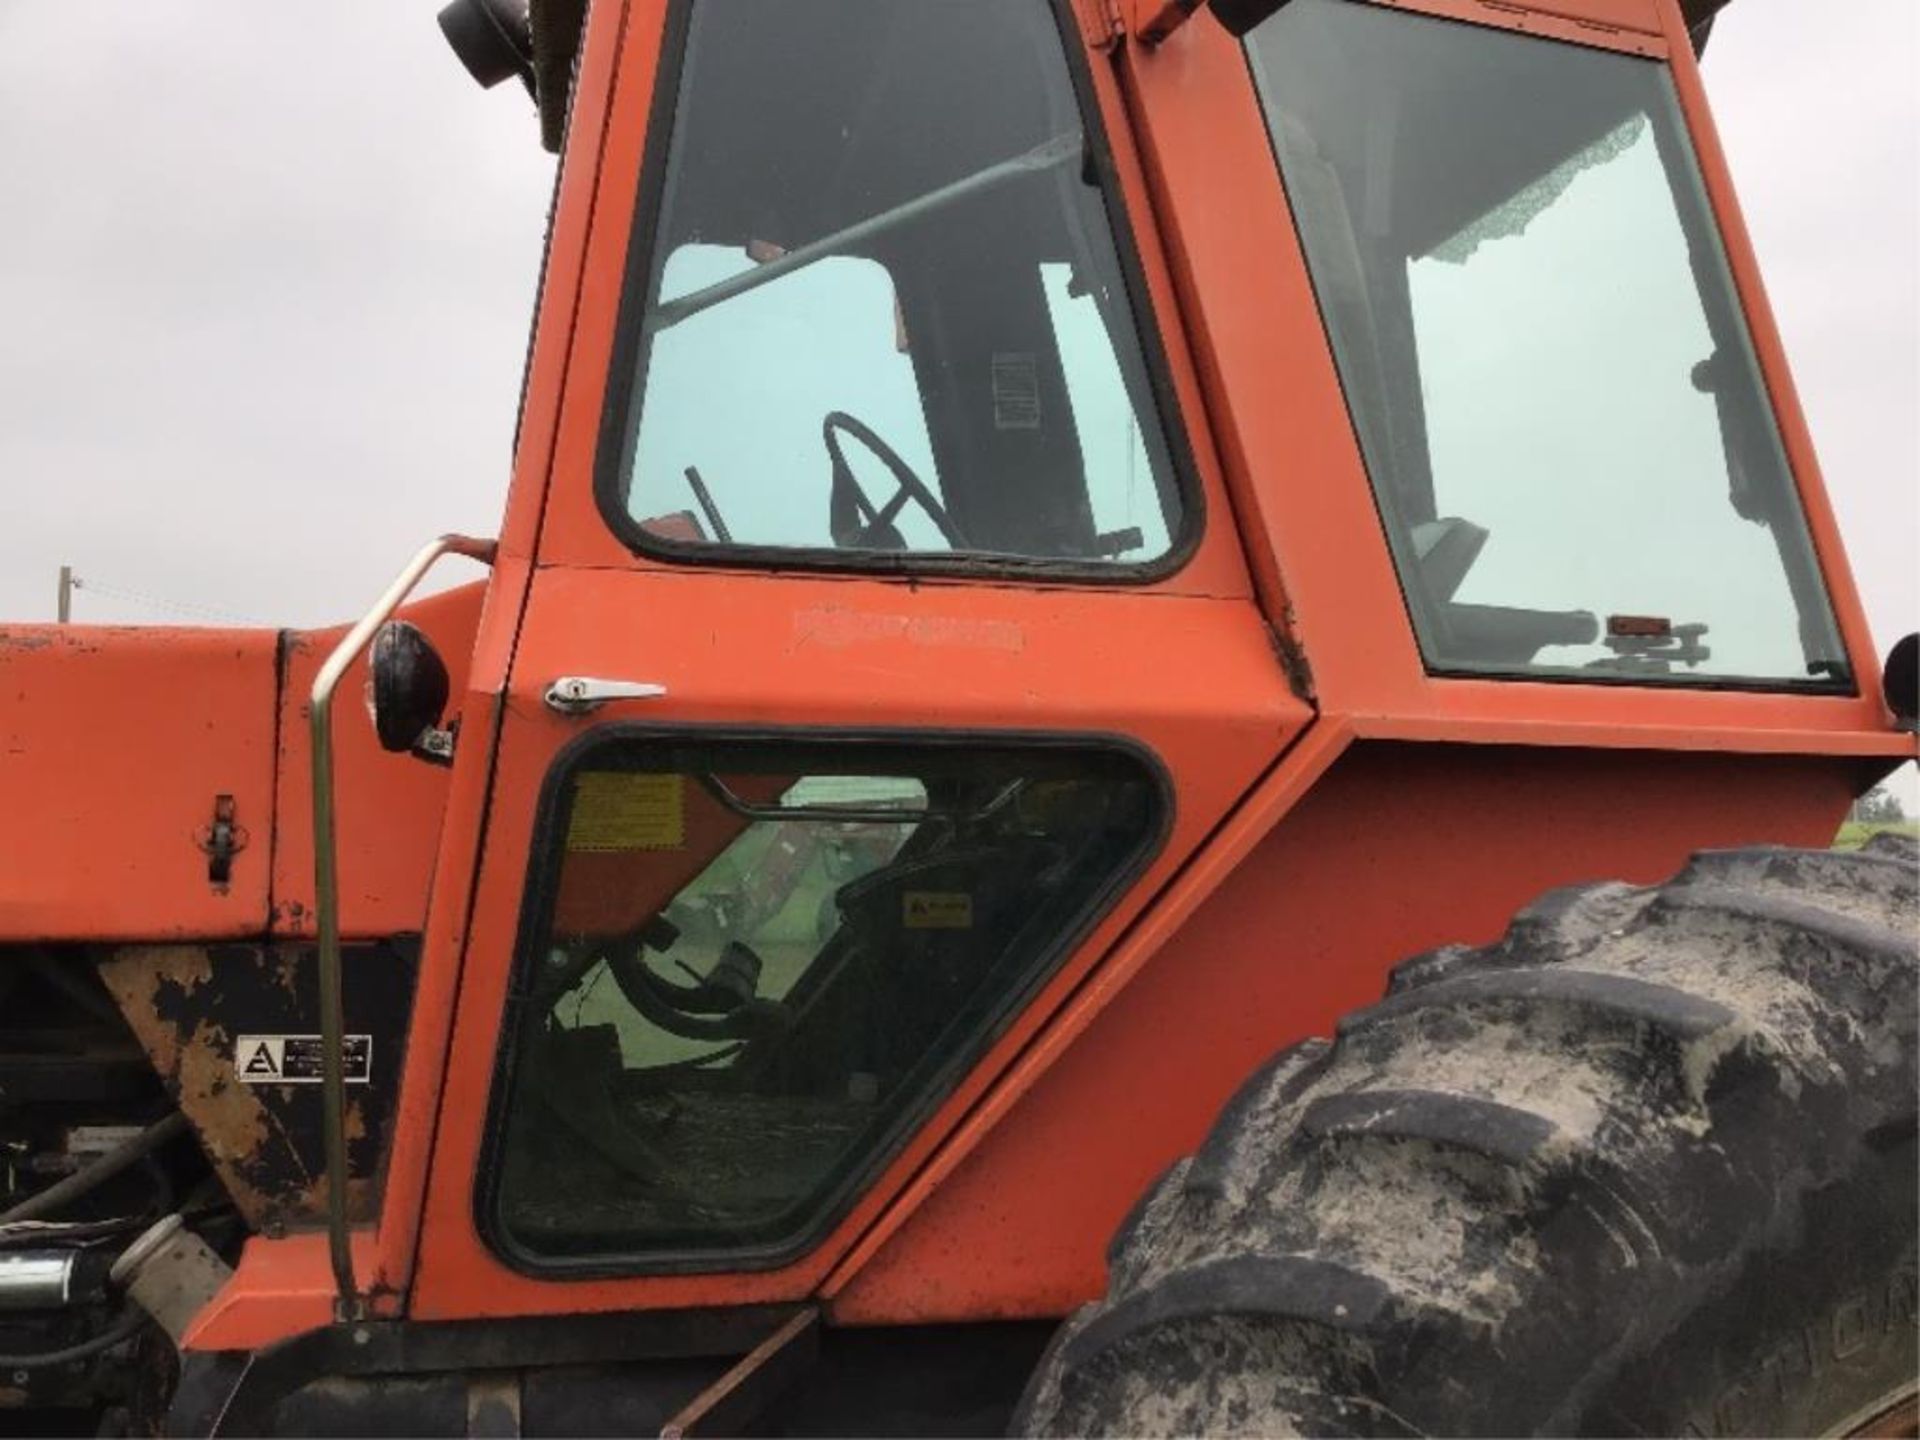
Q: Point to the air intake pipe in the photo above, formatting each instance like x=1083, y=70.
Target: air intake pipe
x=171, y=1273
x=39, y=1280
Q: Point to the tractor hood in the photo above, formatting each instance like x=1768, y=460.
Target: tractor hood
x=157, y=784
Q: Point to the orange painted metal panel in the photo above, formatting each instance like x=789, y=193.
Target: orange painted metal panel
x=387, y=807
x=1504, y=712
x=1279, y=414
x=1193, y=679
x=625, y=34
x=113, y=744
x=1399, y=849
x=1278, y=792
x=443, y=946
x=280, y=1288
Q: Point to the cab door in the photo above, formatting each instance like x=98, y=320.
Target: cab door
x=888, y=646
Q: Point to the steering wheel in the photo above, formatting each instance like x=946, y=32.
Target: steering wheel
x=851, y=516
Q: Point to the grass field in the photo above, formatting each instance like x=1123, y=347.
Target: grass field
x=1856, y=833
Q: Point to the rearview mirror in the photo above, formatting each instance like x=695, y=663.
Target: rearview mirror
x=1900, y=681
x=407, y=691
x=493, y=39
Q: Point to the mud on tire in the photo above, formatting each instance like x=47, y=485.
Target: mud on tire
x=1645, y=1166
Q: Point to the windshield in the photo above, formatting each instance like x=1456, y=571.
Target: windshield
x=1551, y=380
x=883, y=314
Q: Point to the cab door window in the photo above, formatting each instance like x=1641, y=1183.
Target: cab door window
x=882, y=317
x=753, y=967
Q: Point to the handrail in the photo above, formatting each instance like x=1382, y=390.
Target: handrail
x=326, y=899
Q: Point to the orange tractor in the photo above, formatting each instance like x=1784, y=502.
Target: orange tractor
x=1056, y=548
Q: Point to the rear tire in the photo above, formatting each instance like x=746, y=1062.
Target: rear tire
x=1645, y=1166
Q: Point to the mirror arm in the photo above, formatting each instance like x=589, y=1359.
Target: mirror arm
x=435, y=743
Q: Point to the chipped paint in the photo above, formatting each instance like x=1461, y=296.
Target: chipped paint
x=187, y=1003
x=38, y=639
x=231, y=1122
x=133, y=977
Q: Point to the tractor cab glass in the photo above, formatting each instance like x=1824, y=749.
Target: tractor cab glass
x=1551, y=379
x=758, y=966
x=882, y=318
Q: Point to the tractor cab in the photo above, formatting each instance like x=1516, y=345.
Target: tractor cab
x=971, y=453
x=1053, y=544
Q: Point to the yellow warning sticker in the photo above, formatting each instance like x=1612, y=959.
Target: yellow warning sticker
x=619, y=810
x=937, y=910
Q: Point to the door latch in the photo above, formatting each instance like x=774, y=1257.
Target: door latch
x=583, y=694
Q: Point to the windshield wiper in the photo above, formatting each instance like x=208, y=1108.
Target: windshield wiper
x=1056, y=151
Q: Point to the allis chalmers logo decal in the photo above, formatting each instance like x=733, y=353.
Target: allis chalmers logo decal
x=296, y=1059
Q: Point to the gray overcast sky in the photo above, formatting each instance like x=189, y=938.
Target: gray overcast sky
x=266, y=272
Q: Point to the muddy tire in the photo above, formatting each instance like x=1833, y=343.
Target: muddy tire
x=1645, y=1166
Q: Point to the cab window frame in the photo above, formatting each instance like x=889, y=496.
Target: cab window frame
x=831, y=1204
x=627, y=371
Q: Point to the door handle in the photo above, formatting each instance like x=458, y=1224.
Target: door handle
x=583, y=694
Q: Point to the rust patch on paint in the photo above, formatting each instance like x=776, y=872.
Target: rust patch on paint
x=26, y=639
x=188, y=1005
x=134, y=974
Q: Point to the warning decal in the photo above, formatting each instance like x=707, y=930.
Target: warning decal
x=297, y=1059
x=617, y=810
x=937, y=910
x=1016, y=391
